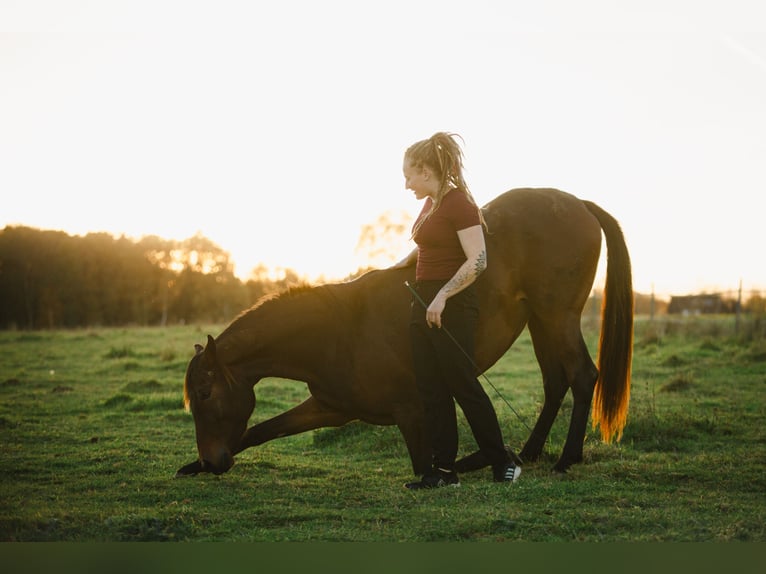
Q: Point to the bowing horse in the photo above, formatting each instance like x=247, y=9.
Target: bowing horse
x=349, y=342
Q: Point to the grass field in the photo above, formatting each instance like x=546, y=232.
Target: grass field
x=92, y=430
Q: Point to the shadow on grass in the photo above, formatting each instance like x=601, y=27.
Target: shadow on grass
x=358, y=435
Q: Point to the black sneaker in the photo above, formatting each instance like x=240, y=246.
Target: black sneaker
x=436, y=478
x=508, y=472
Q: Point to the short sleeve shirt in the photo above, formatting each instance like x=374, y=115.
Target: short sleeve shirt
x=440, y=253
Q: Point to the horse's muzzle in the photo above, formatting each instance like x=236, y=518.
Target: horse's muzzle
x=224, y=463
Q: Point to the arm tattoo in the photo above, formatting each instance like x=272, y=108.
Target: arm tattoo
x=481, y=263
x=466, y=277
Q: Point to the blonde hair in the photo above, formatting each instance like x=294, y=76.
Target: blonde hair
x=443, y=156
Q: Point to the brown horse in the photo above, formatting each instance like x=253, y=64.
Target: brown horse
x=349, y=341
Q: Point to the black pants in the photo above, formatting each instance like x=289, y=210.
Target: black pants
x=445, y=374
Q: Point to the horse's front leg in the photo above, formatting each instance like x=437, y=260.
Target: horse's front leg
x=308, y=415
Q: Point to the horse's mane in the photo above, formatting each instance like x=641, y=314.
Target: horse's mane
x=288, y=293
x=293, y=292
x=329, y=294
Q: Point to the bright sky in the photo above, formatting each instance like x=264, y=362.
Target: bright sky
x=277, y=128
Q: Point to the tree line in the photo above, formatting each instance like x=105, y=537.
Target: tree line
x=49, y=279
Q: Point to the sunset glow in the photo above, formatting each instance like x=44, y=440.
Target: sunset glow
x=277, y=130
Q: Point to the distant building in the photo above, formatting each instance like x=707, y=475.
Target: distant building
x=699, y=304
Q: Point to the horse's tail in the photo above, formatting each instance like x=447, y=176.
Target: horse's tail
x=615, y=348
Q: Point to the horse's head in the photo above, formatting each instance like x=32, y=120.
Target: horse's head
x=220, y=406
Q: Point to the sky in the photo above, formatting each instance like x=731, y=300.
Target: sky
x=277, y=129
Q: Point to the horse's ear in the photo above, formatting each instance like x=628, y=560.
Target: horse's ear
x=210, y=347
x=199, y=349
x=209, y=353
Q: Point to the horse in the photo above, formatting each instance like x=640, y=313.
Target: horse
x=349, y=341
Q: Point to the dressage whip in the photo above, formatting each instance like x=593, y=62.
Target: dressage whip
x=473, y=363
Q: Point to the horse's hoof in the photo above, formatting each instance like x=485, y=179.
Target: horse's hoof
x=191, y=469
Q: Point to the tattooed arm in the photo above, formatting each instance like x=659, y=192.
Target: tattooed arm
x=472, y=241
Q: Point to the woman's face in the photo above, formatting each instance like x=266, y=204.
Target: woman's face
x=420, y=180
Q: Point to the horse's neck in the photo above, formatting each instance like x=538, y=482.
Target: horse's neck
x=284, y=338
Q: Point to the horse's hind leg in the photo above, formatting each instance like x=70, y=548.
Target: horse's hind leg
x=565, y=363
x=582, y=376
x=554, y=388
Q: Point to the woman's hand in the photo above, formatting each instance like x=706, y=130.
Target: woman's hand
x=408, y=260
x=435, y=310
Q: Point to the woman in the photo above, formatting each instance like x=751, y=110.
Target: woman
x=450, y=255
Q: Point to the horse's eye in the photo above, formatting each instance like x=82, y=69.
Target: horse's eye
x=203, y=394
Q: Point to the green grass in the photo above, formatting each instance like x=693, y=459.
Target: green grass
x=92, y=430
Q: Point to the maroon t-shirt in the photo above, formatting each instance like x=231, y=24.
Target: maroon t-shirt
x=440, y=254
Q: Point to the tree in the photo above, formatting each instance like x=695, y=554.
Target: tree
x=49, y=279
x=385, y=241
